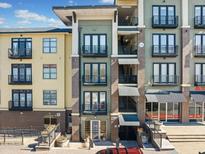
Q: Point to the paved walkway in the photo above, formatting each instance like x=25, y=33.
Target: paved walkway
x=184, y=130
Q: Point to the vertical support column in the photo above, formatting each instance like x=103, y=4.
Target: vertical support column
x=114, y=97
x=115, y=35
x=75, y=81
x=141, y=75
x=75, y=100
x=141, y=13
x=186, y=61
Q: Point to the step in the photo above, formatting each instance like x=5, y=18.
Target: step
x=187, y=140
x=186, y=137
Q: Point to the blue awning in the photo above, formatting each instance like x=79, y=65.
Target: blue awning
x=129, y=120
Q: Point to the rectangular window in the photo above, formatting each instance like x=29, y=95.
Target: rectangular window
x=95, y=44
x=49, y=97
x=49, y=71
x=164, y=15
x=22, y=99
x=95, y=73
x=21, y=73
x=200, y=44
x=49, y=45
x=95, y=101
x=21, y=47
x=200, y=73
x=164, y=44
x=164, y=73
x=199, y=15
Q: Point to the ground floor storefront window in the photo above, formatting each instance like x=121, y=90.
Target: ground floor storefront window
x=196, y=111
x=163, y=111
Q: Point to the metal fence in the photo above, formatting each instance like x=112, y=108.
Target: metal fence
x=16, y=136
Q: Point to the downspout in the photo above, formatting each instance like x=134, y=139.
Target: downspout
x=80, y=79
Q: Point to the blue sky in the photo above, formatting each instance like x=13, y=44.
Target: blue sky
x=36, y=13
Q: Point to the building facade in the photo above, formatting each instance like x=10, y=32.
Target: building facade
x=122, y=65
x=33, y=73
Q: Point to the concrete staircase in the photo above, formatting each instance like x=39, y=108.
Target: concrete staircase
x=186, y=137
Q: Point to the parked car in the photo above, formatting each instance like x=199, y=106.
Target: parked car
x=120, y=151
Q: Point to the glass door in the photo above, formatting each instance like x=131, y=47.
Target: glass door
x=95, y=129
x=163, y=112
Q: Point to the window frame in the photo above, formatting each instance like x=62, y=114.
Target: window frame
x=49, y=47
x=167, y=15
x=91, y=44
x=50, y=97
x=167, y=44
x=92, y=111
x=50, y=72
x=202, y=65
x=22, y=91
x=91, y=73
x=167, y=72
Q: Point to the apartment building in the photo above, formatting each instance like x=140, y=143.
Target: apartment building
x=143, y=59
x=33, y=76
x=122, y=65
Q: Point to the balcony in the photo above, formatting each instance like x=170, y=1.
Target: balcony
x=199, y=51
x=20, y=79
x=199, y=22
x=165, y=80
x=94, y=80
x=164, y=21
x=200, y=80
x=94, y=50
x=164, y=51
x=127, y=21
x=20, y=106
x=127, y=79
x=95, y=110
x=127, y=50
x=127, y=104
x=20, y=53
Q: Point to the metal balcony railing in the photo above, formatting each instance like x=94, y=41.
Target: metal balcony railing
x=199, y=50
x=20, y=79
x=95, y=109
x=164, y=21
x=199, y=21
x=23, y=53
x=94, y=50
x=165, y=79
x=127, y=79
x=164, y=50
x=200, y=80
x=127, y=50
x=94, y=79
x=127, y=21
x=20, y=105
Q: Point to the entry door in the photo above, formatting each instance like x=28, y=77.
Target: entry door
x=95, y=129
x=163, y=112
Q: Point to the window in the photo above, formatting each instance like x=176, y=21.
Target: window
x=95, y=73
x=164, y=44
x=21, y=47
x=95, y=44
x=95, y=101
x=164, y=73
x=200, y=44
x=21, y=98
x=164, y=15
x=49, y=45
x=49, y=71
x=199, y=15
x=21, y=73
x=49, y=97
x=200, y=73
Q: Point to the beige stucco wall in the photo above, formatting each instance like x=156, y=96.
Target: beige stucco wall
x=126, y=2
x=38, y=59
